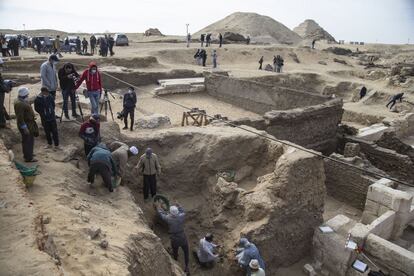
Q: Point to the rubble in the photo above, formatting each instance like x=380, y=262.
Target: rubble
x=153, y=121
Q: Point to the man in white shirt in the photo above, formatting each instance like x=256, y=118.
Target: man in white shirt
x=205, y=252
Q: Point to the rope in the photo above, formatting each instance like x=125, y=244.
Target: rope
x=263, y=135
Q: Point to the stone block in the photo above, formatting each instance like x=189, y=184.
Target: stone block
x=329, y=249
x=309, y=270
x=390, y=255
x=360, y=233
x=396, y=200
x=338, y=222
x=371, y=206
x=384, y=225
x=367, y=218
x=400, y=223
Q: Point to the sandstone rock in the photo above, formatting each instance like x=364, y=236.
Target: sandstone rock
x=352, y=149
x=104, y=244
x=340, y=61
x=153, y=121
x=94, y=232
x=309, y=270
x=66, y=155
x=375, y=75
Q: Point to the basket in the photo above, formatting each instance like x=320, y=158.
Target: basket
x=165, y=202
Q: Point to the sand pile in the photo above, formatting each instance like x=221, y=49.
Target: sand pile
x=260, y=28
x=309, y=29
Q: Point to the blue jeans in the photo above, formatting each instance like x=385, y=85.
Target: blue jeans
x=94, y=97
x=69, y=93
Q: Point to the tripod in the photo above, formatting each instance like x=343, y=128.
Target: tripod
x=79, y=106
x=107, y=103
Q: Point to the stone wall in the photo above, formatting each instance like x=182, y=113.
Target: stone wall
x=396, y=165
x=258, y=97
x=305, y=119
x=312, y=127
x=346, y=184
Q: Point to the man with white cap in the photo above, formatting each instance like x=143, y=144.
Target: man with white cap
x=26, y=123
x=120, y=157
x=149, y=166
x=175, y=220
x=247, y=252
x=255, y=268
x=48, y=75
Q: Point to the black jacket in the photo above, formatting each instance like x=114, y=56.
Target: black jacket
x=45, y=106
x=130, y=100
x=65, y=81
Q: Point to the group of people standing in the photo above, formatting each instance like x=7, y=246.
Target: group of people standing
x=207, y=39
x=278, y=64
x=11, y=47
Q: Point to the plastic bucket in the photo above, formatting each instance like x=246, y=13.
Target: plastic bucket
x=28, y=180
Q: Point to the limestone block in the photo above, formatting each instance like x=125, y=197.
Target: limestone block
x=393, y=199
x=360, y=233
x=367, y=218
x=309, y=270
x=337, y=222
x=384, y=225
x=400, y=223
x=371, y=206
x=329, y=249
x=389, y=254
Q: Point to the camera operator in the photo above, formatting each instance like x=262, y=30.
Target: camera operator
x=129, y=103
x=5, y=87
x=67, y=80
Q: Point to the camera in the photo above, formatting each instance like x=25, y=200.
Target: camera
x=120, y=115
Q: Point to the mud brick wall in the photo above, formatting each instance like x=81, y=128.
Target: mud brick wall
x=258, y=97
x=347, y=184
x=396, y=165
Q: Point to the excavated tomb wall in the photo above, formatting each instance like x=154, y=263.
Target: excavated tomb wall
x=278, y=213
x=305, y=119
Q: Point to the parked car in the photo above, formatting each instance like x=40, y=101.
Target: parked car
x=121, y=40
x=72, y=44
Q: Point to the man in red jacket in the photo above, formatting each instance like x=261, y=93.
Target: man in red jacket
x=93, y=84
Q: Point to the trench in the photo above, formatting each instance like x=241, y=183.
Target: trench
x=190, y=181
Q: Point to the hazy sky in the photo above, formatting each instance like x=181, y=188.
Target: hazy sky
x=386, y=21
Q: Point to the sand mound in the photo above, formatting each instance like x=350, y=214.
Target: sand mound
x=260, y=28
x=309, y=29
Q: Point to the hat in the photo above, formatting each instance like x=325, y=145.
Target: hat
x=23, y=92
x=174, y=210
x=254, y=264
x=53, y=58
x=244, y=242
x=133, y=150
x=89, y=130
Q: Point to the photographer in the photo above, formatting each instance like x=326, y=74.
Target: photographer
x=67, y=78
x=129, y=103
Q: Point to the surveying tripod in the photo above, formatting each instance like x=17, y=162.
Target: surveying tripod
x=107, y=103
